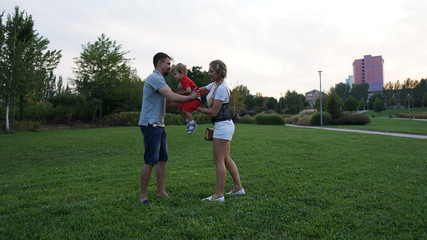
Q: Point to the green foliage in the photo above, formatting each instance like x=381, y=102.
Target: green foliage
x=425, y=99
x=27, y=126
x=292, y=119
x=361, y=104
x=334, y=105
x=247, y=119
x=378, y=105
x=413, y=115
x=67, y=105
x=103, y=73
x=40, y=112
x=360, y=91
x=343, y=90
x=351, y=119
x=392, y=101
x=351, y=103
x=315, y=118
x=25, y=62
x=122, y=119
x=294, y=102
x=269, y=119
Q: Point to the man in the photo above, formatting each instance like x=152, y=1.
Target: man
x=156, y=96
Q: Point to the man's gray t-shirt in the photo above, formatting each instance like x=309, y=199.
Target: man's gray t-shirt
x=153, y=103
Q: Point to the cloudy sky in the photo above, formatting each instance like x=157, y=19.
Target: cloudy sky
x=270, y=46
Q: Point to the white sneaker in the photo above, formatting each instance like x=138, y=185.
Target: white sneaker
x=191, y=127
x=210, y=198
x=240, y=192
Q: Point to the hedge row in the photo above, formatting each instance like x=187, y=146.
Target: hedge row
x=269, y=119
x=351, y=119
x=132, y=119
x=422, y=115
x=314, y=119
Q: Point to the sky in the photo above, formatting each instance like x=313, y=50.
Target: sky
x=269, y=46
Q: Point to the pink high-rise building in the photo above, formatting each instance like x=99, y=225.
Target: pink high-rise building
x=369, y=70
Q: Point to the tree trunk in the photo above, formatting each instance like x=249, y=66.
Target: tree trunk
x=21, y=107
x=7, y=118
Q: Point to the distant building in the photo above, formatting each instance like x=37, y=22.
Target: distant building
x=369, y=70
x=349, y=81
x=311, y=97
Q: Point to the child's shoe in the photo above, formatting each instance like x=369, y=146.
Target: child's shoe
x=192, y=125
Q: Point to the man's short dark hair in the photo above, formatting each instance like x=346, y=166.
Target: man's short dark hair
x=160, y=56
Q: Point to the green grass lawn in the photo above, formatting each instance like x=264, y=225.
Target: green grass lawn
x=300, y=183
x=383, y=124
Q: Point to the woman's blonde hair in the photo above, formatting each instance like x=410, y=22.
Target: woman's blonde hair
x=221, y=70
x=180, y=68
x=220, y=67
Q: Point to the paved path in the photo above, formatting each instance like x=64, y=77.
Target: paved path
x=419, y=136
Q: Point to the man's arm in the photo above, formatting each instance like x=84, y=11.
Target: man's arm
x=173, y=99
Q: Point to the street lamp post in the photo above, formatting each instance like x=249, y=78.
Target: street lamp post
x=321, y=114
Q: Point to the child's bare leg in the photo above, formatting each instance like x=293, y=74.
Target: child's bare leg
x=188, y=115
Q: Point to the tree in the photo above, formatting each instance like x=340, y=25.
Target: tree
x=317, y=102
x=334, y=105
x=360, y=91
x=378, y=105
x=26, y=62
x=293, y=102
x=343, y=90
x=351, y=103
x=411, y=100
x=237, y=106
x=361, y=104
x=67, y=103
x=392, y=101
x=103, y=74
x=425, y=99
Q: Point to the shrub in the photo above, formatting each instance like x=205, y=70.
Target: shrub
x=304, y=121
x=122, y=119
x=25, y=126
x=422, y=115
x=247, y=119
x=174, y=119
x=269, y=119
x=292, y=119
x=41, y=112
x=351, y=119
x=315, y=118
x=201, y=118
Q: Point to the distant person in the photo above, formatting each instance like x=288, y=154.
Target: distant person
x=156, y=96
x=185, y=87
x=217, y=107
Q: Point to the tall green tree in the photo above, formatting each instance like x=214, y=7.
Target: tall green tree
x=361, y=104
x=334, y=105
x=237, y=105
x=425, y=99
x=360, y=91
x=343, y=90
x=392, y=101
x=103, y=74
x=26, y=61
x=379, y=105
x=351, y=103
x=294, y=103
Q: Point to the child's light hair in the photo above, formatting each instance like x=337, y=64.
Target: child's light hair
x=180, y=68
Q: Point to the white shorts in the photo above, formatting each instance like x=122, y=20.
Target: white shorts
x=224, y=130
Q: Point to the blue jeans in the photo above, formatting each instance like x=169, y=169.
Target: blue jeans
x=155, y=144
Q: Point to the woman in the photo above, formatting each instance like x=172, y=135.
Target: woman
x=218, y=99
